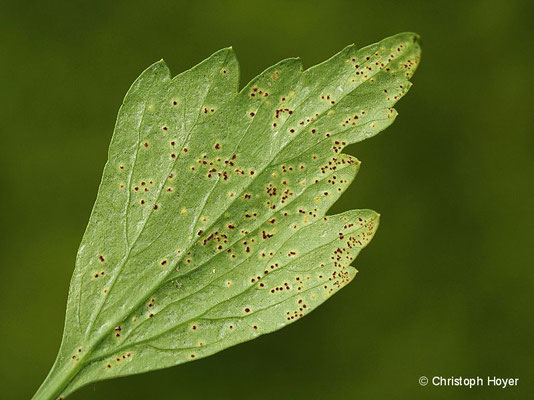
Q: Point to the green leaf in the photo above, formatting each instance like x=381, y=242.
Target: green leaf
x=209, y=226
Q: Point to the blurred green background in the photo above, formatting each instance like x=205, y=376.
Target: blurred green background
x=445, y=288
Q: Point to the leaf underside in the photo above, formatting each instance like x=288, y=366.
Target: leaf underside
x=209, y=227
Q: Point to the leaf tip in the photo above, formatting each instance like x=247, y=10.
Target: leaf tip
x=229, y=49
x=412, y=38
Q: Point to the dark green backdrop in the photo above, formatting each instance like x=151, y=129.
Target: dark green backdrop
x=446, y=286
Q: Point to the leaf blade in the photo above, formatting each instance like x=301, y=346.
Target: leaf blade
x=211, y=195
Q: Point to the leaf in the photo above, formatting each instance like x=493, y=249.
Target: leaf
x=209, y=226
